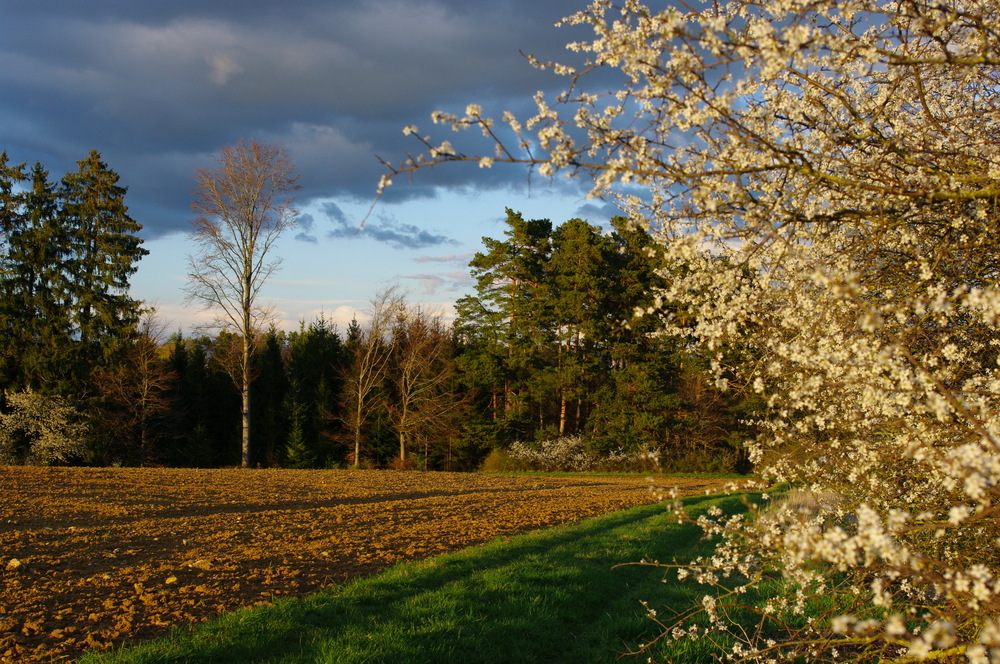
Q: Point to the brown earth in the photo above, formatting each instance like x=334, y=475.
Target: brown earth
x=91, y=557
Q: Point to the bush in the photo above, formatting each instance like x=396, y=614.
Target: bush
x=40, y=430
x=824, y=179
x=570, y=454
x=498, y=461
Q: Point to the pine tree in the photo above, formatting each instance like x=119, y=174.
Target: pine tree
x=510, y=282
x=579, y=285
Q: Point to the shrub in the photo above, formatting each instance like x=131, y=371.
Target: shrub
x=499, y=461
x=40, y=430
x=823, y=176
x=570, y=454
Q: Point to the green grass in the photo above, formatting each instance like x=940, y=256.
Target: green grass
x=624, y=473
x=549, y=596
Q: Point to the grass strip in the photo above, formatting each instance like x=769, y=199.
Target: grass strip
x=548, y=596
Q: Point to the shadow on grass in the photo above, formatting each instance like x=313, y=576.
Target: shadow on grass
x=550, y=596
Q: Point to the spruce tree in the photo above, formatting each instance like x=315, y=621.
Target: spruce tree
x=11, y=220
x=268, y=392
x=10, y=198
x=42, y=291
x=105, y=249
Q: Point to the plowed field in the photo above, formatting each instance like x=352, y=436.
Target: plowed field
x=92, y=557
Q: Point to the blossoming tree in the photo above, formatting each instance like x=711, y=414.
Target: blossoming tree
x=828, y=174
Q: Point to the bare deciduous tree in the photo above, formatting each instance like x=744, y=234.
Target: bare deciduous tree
x=241, y=208
x=137, y=391
x=421, y=375
x=370, y=358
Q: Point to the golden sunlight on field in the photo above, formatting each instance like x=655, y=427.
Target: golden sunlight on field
x=92, y=557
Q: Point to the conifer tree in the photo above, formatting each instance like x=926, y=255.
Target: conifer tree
x=510, y=278
x=269, y=390
x=316, y=361
x=10, y=199
x=11, y=219
x=579, y=285
x=105, y=248
x=68, y=254
x=41, y=288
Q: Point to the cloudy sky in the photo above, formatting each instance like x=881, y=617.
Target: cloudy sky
x=158, y=87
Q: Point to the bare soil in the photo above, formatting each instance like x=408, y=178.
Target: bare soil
x=92, y=557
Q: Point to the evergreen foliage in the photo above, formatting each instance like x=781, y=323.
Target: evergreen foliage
x=317, y=358
x=206, y=403
x=68, y=253
x=67, y=320
x=548, y=347
x=104, y=249
x=551, y=347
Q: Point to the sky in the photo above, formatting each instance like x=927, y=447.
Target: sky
x=158, y=87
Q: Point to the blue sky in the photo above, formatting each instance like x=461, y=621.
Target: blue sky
x=158, y=88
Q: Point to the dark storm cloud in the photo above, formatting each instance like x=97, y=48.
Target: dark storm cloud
x=305, y=225
x=383, y=228
x=598, y=212
x=157, y=87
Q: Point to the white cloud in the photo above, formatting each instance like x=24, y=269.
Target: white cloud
x=222, y=68
x=461, y=259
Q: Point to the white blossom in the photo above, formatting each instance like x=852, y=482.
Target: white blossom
x=823, y=179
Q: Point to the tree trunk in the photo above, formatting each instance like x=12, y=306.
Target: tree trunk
x=562, y=390
x=245, y=460
x=357, y=430
x=562, y=413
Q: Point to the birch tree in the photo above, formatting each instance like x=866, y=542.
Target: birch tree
x=241, y=206
x=826, y=174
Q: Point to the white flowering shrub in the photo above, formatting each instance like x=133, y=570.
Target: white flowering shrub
x=570, y=454
x=828, y=176
x=39, y=430
x=566, y=453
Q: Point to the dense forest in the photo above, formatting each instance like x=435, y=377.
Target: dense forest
x=548, y=348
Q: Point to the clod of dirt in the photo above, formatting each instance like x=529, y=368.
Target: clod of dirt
x=14, y=565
